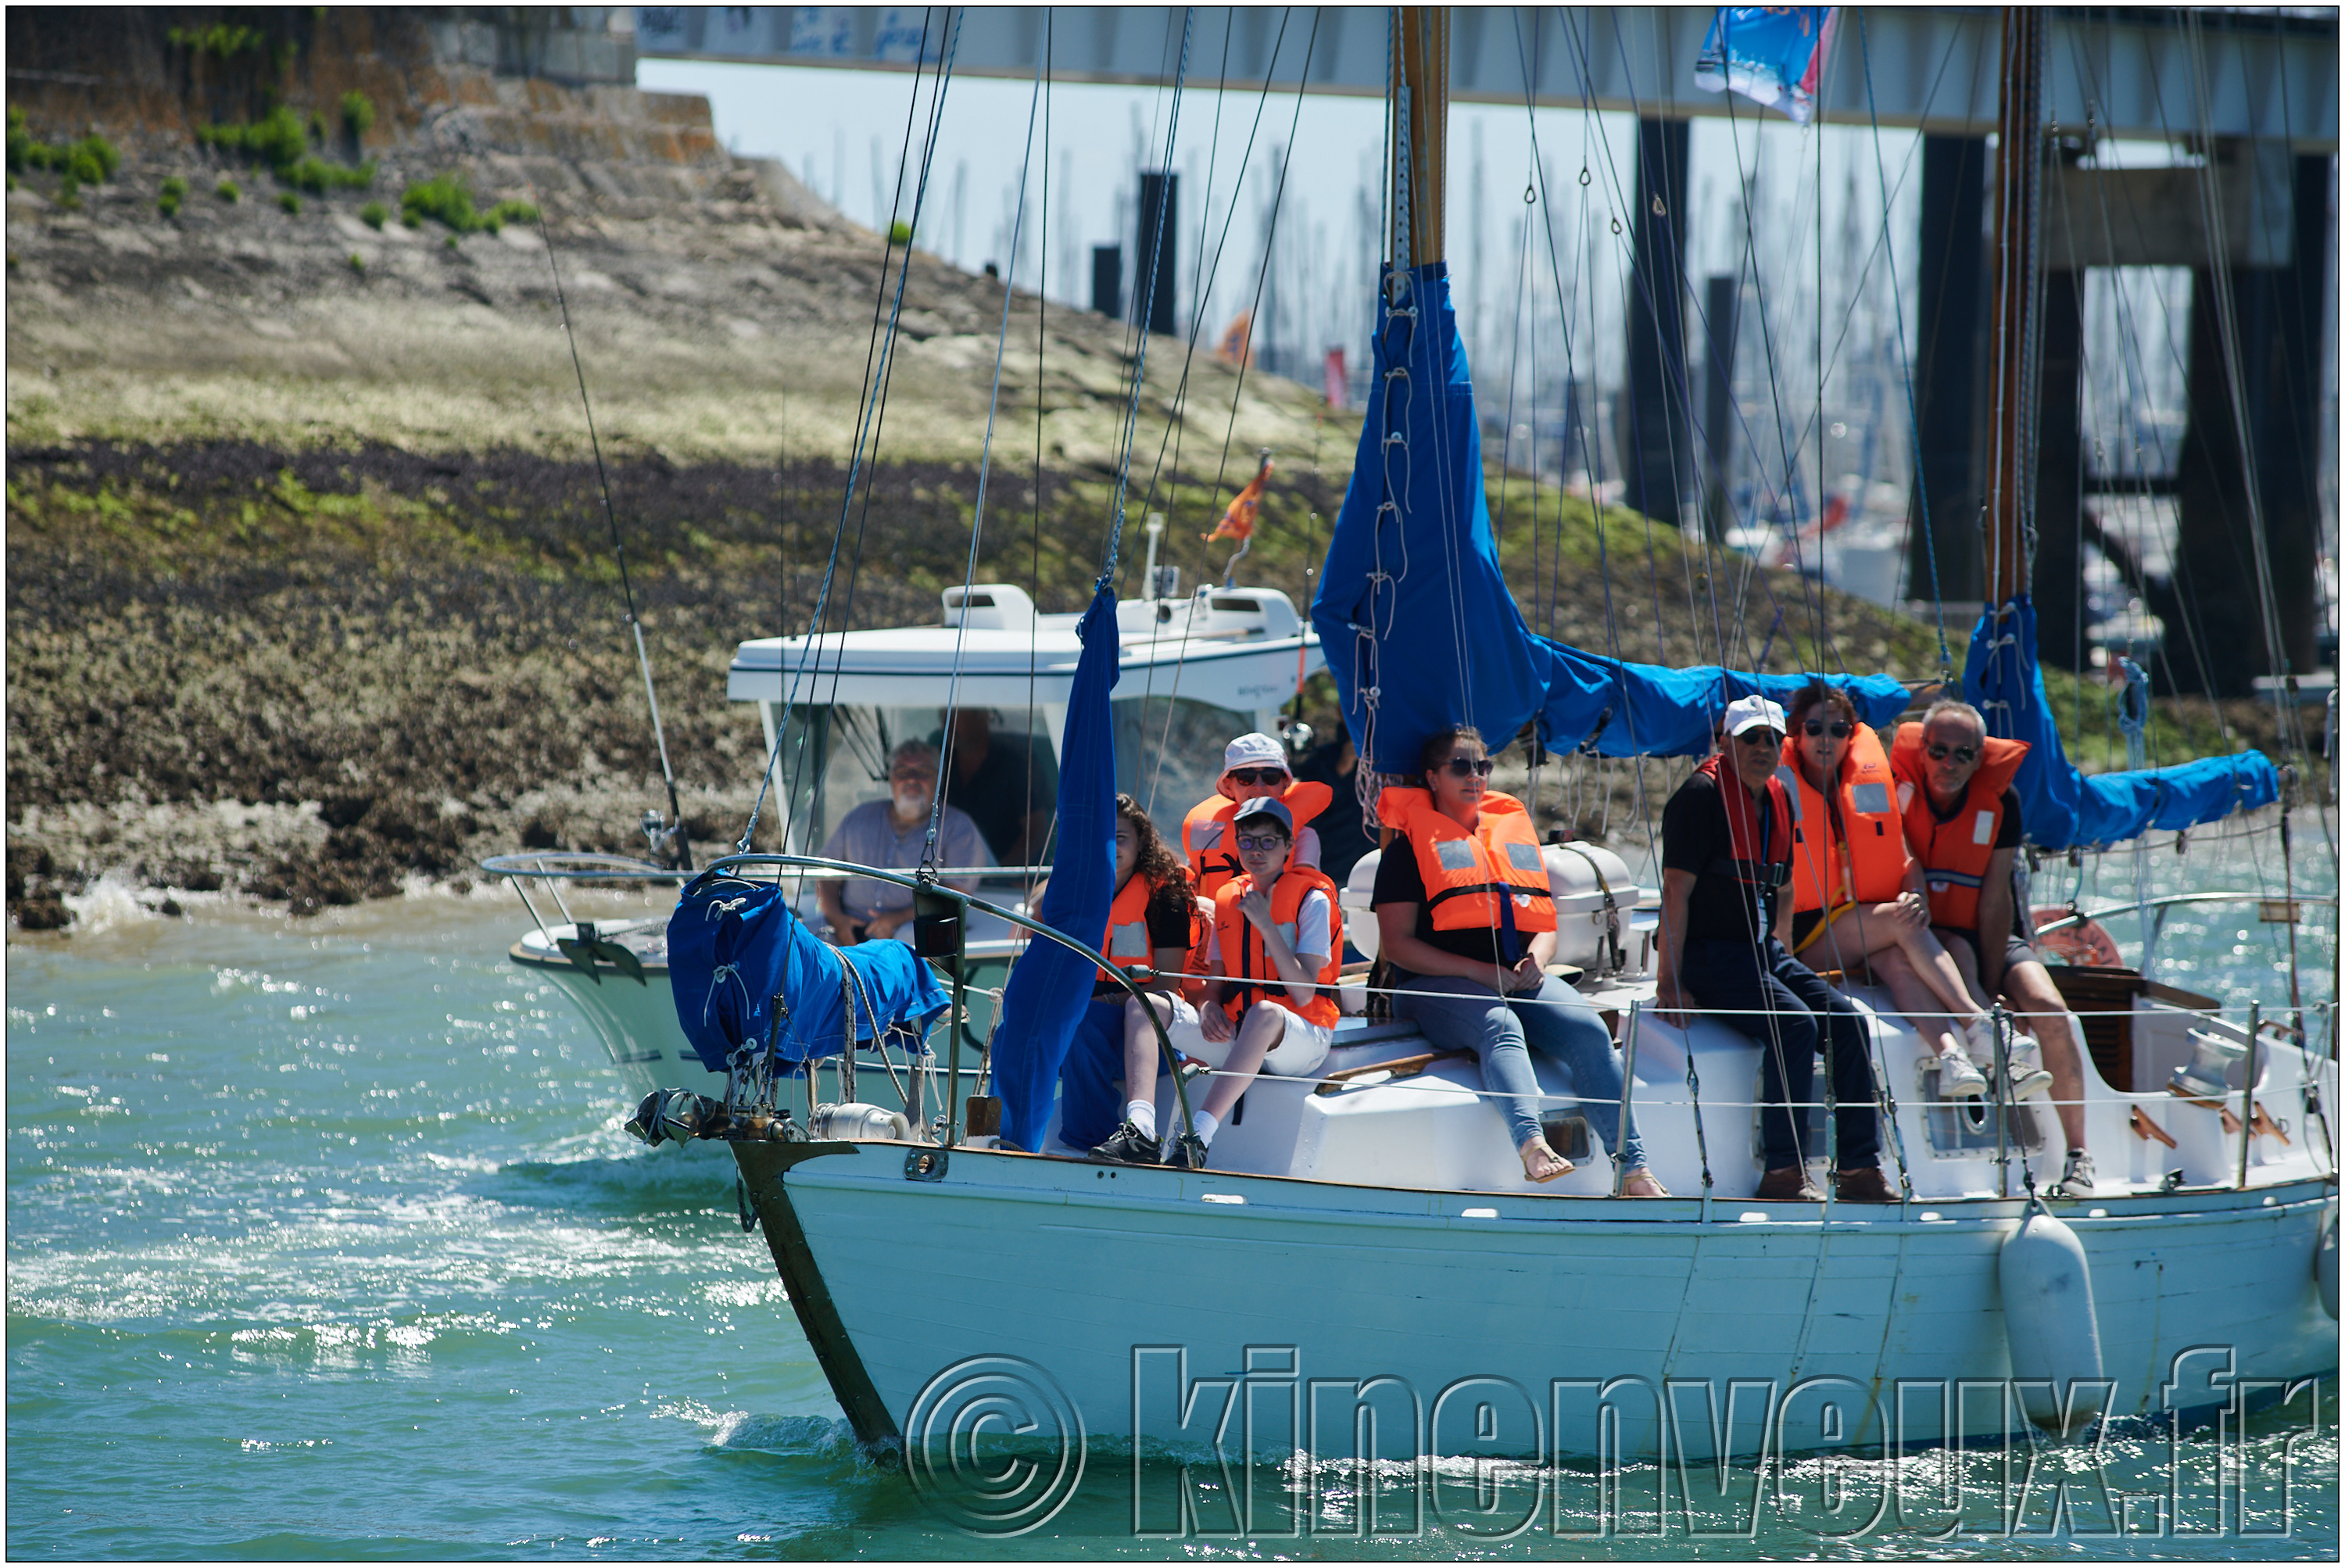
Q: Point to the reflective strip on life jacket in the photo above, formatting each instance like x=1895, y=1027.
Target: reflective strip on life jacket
x=1126, y=942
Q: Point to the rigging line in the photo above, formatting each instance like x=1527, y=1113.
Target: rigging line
x=1139, y=361
x=874, y=404
x=1041, y=327
x=1176, y=428
x=838, y=529
x=618, y=550
x=985, y=470
x=2227, y=324
x=1905, y=364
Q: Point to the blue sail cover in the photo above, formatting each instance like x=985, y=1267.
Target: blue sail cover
x=1415, y=617
x=2061, y=806
x=733, y=945
x=1050, y=986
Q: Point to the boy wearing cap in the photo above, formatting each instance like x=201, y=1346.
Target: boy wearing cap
x=1274, y=957
x=1254, y=767
x=1726, y=856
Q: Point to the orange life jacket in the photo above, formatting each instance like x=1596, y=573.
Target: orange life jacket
x=1850, y=846
x=1243, y=960
x=1128, y=943
x=1953, y=853
x=1491, y=879
x=1206, y=831
x=1760, y=867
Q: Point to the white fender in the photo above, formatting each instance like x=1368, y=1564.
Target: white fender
x=2048, y=1316
x=1359, y=919
x=2324, y=1264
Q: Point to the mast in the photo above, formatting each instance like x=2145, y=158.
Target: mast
x=1420, y=103
x=2016, y=315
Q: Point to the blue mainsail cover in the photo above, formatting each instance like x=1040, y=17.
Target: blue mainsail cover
x=2061, y=806
x=733, y=945
x=1415, y=617
x=1050, y=986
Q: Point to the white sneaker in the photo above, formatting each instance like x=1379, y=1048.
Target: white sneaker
x=1979, y=1035
x=1957, y=1079
x=2077, y=1180
x=2028, y=1082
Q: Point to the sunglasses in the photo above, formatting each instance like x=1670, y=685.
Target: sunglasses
x=1248, y=844
x=1940, y=751
x=1465, y=767
x=1257, y=775
x=912, y=773
x=1760, y=738
x=1837, y=729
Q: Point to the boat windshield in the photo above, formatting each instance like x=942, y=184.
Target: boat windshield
x=833, y=759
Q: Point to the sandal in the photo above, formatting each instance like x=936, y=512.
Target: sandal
x=1642, y=1183
x=1563, y=1167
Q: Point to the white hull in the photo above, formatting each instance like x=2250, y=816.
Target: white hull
x=1070, y=1266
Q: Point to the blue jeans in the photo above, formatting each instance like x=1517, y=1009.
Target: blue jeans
x=1775, y=1000
x=1555, y=1021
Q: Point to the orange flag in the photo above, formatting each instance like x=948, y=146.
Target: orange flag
x=1237, y=522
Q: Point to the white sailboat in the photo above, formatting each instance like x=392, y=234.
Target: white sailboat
x=1367, y=1232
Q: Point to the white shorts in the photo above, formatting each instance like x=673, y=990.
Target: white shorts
x=1305, y=1046
x=1179, y=1023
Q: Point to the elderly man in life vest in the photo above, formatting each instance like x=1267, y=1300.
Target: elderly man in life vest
x=1961, y=823
x=1726, y=858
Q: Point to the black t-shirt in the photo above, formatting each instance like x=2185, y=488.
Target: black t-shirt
x=1018, y=777
x=1398, y=882
x=1693, y=835
x=1342, y=839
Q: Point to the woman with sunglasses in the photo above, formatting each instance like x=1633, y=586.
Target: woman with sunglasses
x=1856, y=893
x=1254, y=767
x=1467, y=925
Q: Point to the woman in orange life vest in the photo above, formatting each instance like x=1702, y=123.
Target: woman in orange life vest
x=1276, y=951
x=1254, y=767
x=1466, y=919
x=1856, y=893
x=1150, y=924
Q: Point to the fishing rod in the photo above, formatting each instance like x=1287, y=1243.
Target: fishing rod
x=673, y=831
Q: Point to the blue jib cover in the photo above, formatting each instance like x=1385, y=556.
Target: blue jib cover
x=1050, y=984
x=2061, y=806
x=1413, y=565
x=734, y=945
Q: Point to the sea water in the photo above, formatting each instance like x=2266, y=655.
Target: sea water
x=324, y=1241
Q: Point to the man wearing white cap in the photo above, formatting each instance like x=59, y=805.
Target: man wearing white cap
x=1254, y=767
x=1726, y=855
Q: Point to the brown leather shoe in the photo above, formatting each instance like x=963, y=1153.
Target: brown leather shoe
x=1865, y=1184
x=1788, y=1184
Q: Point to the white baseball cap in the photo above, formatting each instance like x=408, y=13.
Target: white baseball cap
x=1751, y=712
x=1256, y=750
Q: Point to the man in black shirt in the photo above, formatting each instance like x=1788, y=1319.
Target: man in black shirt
x=1725, y=853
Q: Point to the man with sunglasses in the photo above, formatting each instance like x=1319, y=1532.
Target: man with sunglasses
x=1961, y=823
x=891, y=833
x=1726, y=857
